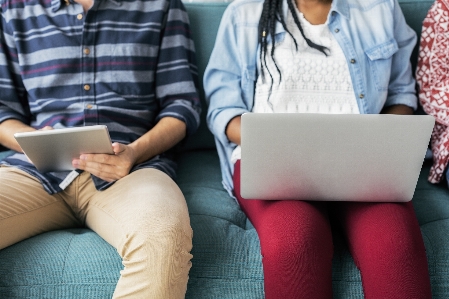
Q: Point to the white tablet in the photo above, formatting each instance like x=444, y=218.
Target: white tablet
x=54, y=150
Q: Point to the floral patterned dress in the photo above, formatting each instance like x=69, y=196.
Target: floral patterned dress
x=432, y=76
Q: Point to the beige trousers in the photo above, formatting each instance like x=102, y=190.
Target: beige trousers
x=144, y=216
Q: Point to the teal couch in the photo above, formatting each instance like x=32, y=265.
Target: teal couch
x=77, y=263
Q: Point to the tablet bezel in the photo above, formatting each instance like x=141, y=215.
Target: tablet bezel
x=54, y=150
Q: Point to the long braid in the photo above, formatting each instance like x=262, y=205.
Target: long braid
x=263, y=36
x=272, y=28
x=282, y=21
x=271, y=13
x=311, y=44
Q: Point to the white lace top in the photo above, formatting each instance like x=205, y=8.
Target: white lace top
x=311, y=82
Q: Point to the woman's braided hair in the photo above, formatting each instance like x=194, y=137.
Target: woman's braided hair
x=272, y=13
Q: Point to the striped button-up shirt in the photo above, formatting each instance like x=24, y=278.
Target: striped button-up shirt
x=123, y=63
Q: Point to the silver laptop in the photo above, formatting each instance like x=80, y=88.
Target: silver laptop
x=330, y=157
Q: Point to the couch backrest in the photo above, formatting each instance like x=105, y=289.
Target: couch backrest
x=415, y=11
x=205, y=18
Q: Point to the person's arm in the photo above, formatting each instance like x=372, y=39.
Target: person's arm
x=176, y=74
x=7, y=130
x=14, y=111
x=398, y=109
x=164, y=135
x=431, y=72
x=402, y=85
x=233, y=130
x=226, y=74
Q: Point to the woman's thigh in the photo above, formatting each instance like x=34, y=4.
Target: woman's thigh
x=296, y=245
x=386, y=243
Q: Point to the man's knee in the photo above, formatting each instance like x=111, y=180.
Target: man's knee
x=160, y=214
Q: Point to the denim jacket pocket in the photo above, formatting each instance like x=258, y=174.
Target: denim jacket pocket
x=380, y=59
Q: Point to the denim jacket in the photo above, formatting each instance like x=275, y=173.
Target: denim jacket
x=372, y=34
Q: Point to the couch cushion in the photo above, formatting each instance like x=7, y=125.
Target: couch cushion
x=432, y=209
x=74, y=263
x=430, y=201
x=226, y=254
x=4, y=154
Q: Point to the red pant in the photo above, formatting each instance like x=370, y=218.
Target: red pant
x=296, y=245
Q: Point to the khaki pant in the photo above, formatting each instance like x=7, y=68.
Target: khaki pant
x=144, y=216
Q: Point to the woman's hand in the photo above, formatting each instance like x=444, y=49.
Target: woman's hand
x=108, y=167
x=233, y=130
x=398, y=109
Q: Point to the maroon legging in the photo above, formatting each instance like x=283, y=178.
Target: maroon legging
x=296, y=245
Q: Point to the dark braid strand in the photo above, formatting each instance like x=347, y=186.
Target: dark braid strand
x=272, y=13
x=311, y=44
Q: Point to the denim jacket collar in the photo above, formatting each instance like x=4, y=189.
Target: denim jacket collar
x=341, y=7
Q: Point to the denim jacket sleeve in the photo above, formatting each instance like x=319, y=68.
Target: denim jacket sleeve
x=402, y=85
x=230, y=75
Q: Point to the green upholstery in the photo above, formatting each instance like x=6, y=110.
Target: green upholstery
x=204, y=21
x=77, y=263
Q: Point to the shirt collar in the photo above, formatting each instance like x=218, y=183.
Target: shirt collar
x=55, y=5
x=341, y=7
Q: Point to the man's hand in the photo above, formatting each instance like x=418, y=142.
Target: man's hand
x=108, y=167
x=163, y=136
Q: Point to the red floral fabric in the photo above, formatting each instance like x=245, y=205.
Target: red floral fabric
x=432, y=75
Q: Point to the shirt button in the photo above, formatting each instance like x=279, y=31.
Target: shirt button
x=79, y=16
x=87, y=87
x=353, y=61
x=89, y=106
x=337, y=30
x=86, y=51
x=361, y=95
